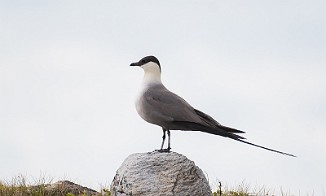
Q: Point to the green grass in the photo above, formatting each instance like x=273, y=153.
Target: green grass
x=245, y=189
x=241, y=190
x=19, y=187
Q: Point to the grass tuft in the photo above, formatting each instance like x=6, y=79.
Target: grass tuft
x=241, y=190
x=19, y=187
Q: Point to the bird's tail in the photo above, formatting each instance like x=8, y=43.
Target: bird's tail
x=240, y=140
x=225, y=131
x=229, y=133
x=222, y=131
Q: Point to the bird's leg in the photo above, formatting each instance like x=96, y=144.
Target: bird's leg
x=168, y=149
x=169, y=136
x=163, y=139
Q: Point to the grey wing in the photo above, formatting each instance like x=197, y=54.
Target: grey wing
x=213, y=123
x=172, y=112
x=168, y=106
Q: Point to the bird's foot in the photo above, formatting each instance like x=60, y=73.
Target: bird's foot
x=164, y=150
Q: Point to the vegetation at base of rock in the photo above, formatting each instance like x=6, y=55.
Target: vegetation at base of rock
x=241, y=190
x=18, y=187
x=21, y=188
x=245, y=189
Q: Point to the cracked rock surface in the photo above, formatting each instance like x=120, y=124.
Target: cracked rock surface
x=156, y=173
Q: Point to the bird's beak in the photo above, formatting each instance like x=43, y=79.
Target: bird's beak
x=134, y=64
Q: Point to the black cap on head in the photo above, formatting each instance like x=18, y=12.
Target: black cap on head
x=145, y=60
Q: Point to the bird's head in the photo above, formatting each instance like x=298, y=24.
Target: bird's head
x=149, y=64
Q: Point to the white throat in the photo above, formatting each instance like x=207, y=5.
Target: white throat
x=152, y=77
x=152, y=74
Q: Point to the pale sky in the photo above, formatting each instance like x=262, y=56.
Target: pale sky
x=67, y=91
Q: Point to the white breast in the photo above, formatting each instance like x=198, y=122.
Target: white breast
x=152, y=77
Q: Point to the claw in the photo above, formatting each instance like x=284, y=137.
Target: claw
x=164, y=150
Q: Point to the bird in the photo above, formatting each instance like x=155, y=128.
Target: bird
x=159, y=106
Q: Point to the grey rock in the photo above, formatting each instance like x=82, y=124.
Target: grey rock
x=156, y=173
